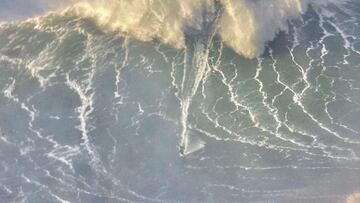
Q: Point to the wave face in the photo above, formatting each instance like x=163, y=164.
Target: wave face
x=245, y=25
x=181, y=101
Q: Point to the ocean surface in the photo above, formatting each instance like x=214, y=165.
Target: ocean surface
x=88, y=115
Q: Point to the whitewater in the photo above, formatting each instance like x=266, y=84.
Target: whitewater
x=244, y=25
x=181, y=101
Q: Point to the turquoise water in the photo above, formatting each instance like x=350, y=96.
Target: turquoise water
x=87, y=116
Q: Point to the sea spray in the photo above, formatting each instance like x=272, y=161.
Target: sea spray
x=245, y=25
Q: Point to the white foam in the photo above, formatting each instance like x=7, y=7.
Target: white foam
x=245, y=25
x=144, y=19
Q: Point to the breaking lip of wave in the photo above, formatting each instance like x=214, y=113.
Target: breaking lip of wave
x=244, y=25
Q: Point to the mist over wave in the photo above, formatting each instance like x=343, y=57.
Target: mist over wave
x=245, y=25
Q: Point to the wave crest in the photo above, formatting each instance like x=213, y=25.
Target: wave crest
x=245, y=25
x=144, y=19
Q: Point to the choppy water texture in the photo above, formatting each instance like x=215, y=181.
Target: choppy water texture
x=88, y=116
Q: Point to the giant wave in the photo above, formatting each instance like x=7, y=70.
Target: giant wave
x=97, y=96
